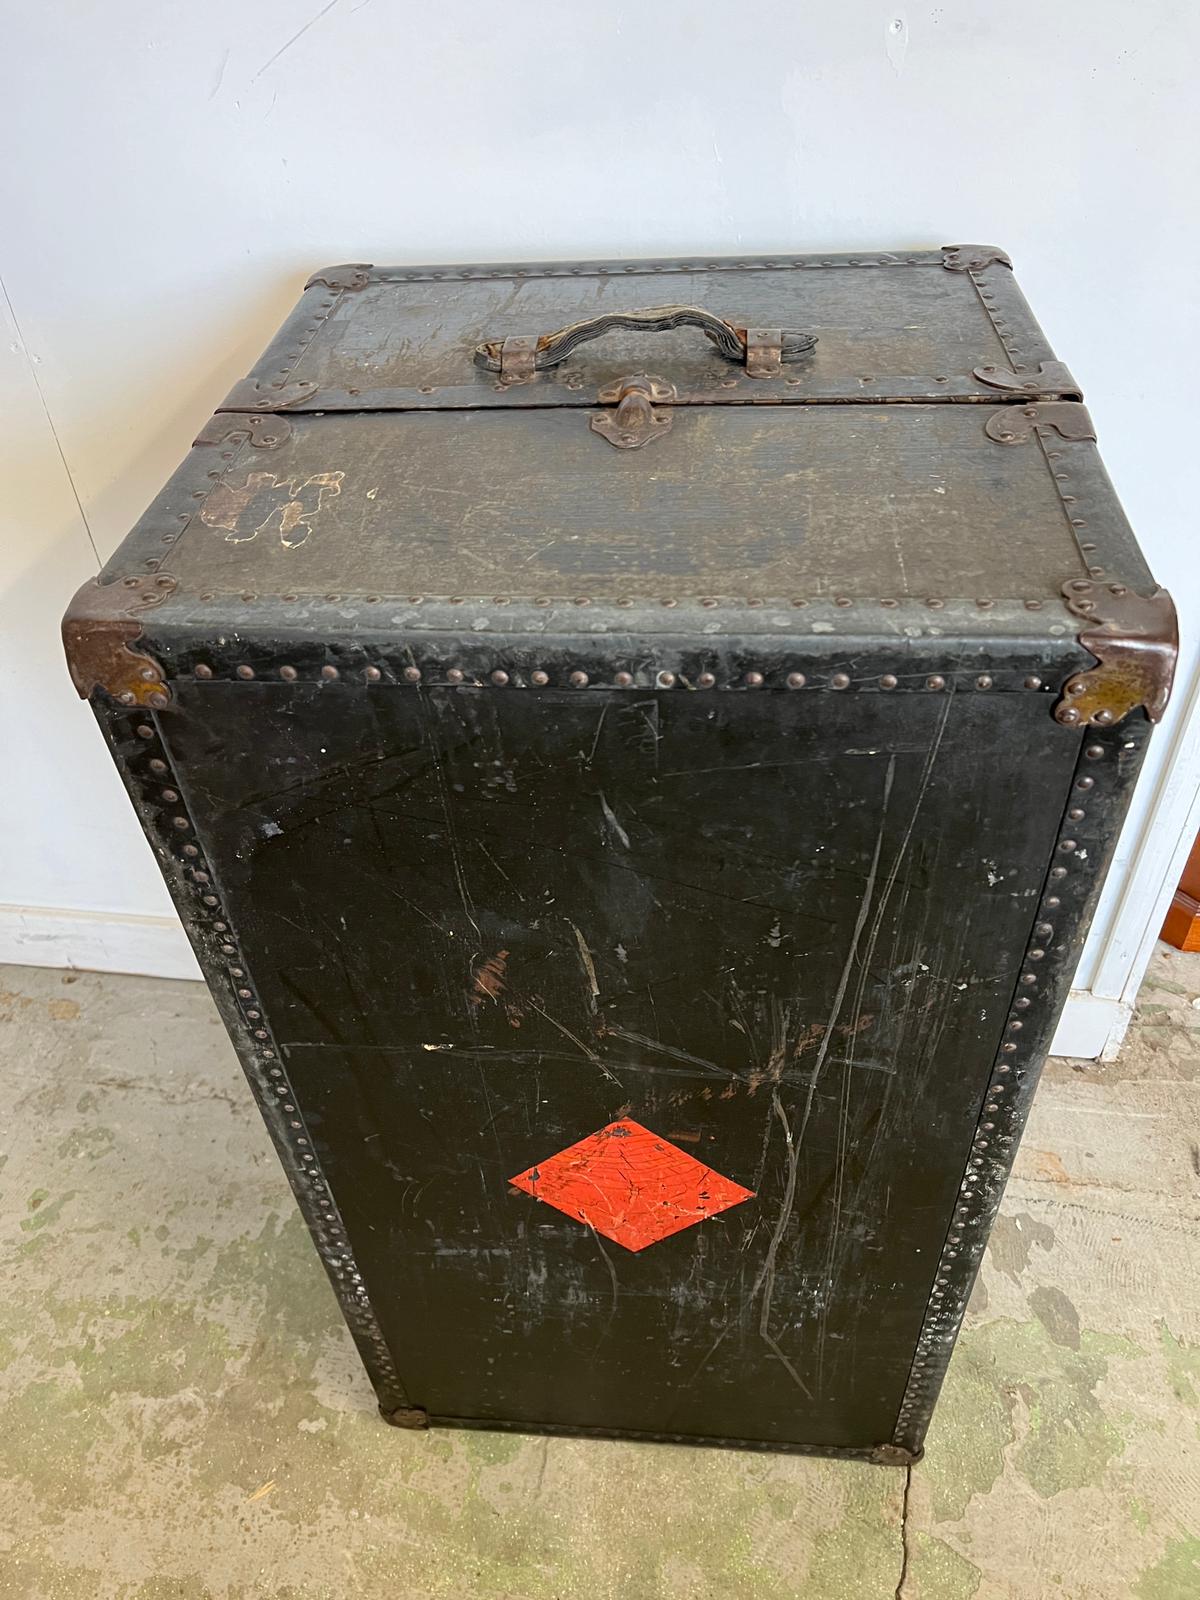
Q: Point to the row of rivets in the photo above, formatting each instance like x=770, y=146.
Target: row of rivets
x=1087, y=547
x=332, y=1240
x=708, y=602
x=987, y=296
x=650, y=268
x=938, y=1333
x=306, y=335
x=501, y=678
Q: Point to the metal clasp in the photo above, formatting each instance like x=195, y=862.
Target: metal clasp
x=634, y=422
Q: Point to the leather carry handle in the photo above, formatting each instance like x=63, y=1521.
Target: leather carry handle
x=762, y=350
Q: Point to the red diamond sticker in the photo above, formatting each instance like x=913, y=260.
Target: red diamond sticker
x=630, y=1185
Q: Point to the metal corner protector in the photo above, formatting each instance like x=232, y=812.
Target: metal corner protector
x=1135, y=639
x=99, y=631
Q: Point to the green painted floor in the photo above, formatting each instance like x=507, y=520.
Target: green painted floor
x=183, y=1415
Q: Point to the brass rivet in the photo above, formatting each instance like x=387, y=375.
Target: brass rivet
x=499, y=677
x=935, y=682
x=1102, y=717
x=1033, y=683
x=181, y=823
x=843, y=600
x=541, y=679
x=1094, y=752
x=1037, y=955
x=1058, y=872
x=170, y=796
x=372, y=674
x=623, y=680
x=753, y=680
x=329, y=673
x=412, y=674
x=1033, y=605
x=983, y=683
x=705, y=680
x=578, y=680
x=245, y=672
x=1023, y=1004
x=1044, y=930
x=1076, y=813
x=191, y=850
x=796, y=680
x=202, y=671
x=888, y=681
x=840, y=680
x=1085, y=783
x=288, y=674
x=158, y=766
x=666, y=680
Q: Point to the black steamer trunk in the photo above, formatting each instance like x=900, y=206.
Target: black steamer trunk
x=636, y=781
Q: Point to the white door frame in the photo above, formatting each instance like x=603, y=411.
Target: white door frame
x=1145, y=874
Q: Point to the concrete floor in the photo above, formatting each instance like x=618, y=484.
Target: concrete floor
x=183, y=1414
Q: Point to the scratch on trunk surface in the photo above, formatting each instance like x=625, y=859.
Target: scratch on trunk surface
x=584, y=1049
x=765, y=1282
x=610, y=817
x=766, y=1278
x=589, y=966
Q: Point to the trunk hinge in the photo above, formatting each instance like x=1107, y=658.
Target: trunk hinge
x=263, y=432
x=247, y=396
x=1052, y=380
x=1135, y=639
x=1015, y=424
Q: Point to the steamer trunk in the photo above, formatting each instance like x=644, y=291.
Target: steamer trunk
x=636, y=781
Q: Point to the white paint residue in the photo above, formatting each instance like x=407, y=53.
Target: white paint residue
x=270, y=829
x=775, y=937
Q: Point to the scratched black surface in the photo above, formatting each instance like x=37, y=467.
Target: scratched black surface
x=781, y=929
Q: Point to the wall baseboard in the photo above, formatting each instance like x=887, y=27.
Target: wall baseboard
x=156, y=947
x=96, y=941
x=1091, y=1027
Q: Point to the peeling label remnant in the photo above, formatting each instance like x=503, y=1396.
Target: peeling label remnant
x=265, y=503
x=630, y=1185
x=487, y=981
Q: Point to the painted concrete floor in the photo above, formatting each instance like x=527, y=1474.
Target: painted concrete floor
x=182, y=1414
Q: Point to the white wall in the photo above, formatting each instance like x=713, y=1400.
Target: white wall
x=172, y=173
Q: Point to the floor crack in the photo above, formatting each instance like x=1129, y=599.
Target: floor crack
x=904, y=1548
